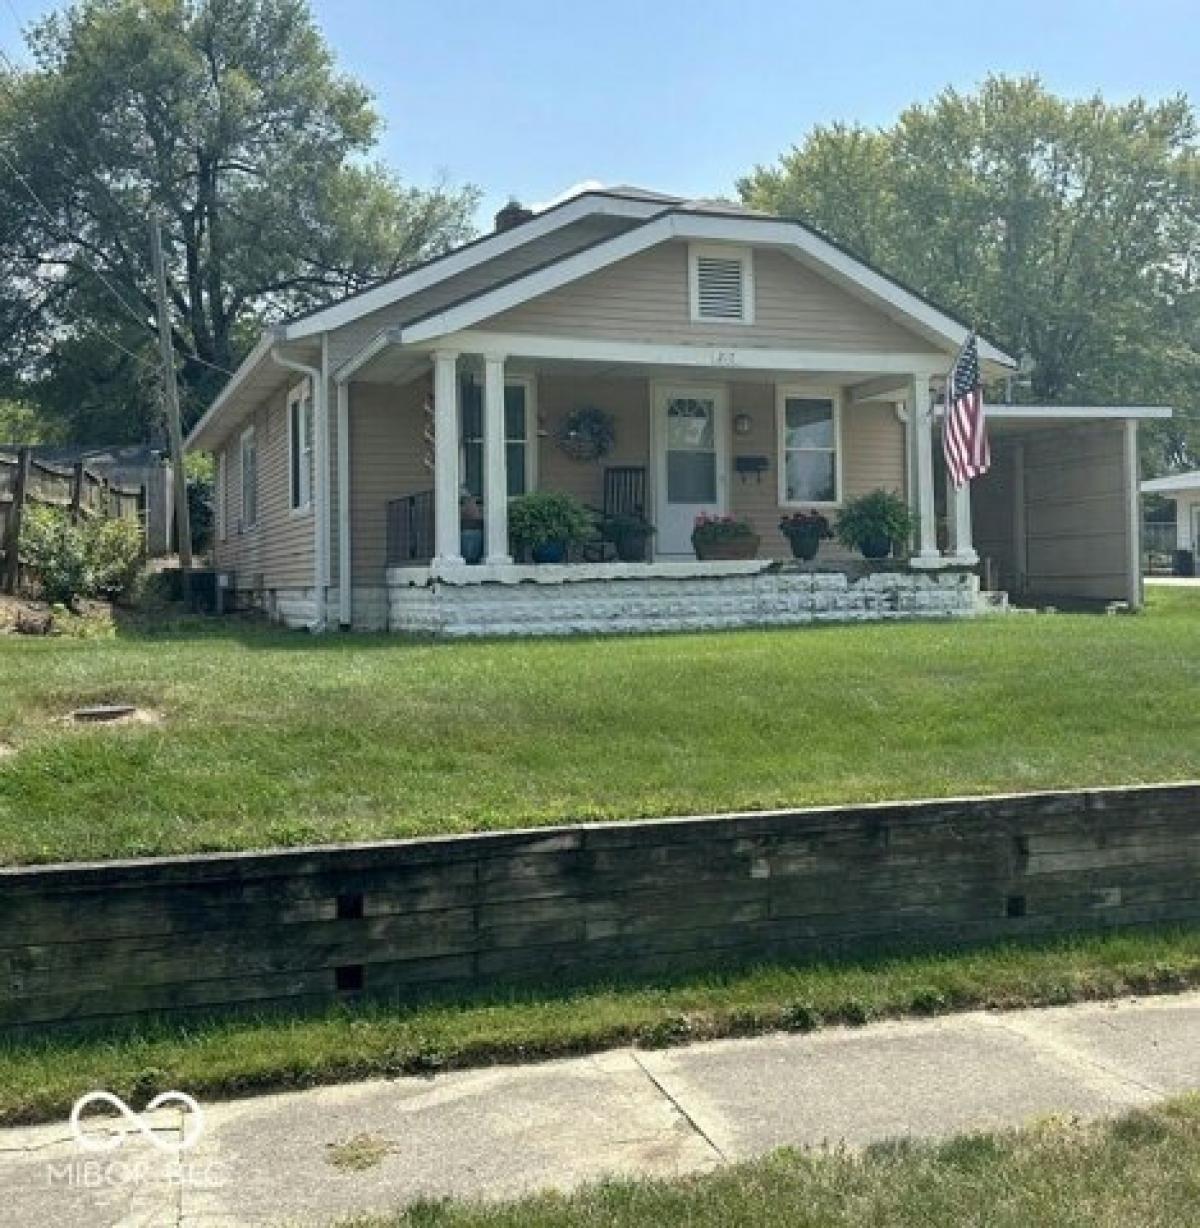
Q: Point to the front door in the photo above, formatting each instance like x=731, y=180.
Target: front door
x=690, y=430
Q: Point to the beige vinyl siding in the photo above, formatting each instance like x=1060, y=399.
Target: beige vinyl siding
x=386, y=461
x=628, y=400
x=1077, y=513
x=277, y=552
x=645, y=298
x=346, y=341
x=387, y=449
x=994, y=514
x=872, y=456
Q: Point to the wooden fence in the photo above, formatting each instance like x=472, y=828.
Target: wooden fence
x=394, y=920
x=77, y=489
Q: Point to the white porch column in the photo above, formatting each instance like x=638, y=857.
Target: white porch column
x=958, y=514
x=921, y=413
x=495, y=466
x=447, y=537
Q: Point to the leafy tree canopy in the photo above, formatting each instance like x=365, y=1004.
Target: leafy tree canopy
x=1069, y=231
x=228, y=118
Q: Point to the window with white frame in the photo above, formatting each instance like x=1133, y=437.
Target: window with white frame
x=520, y=436
x=220, y=494
x=809, y=440
x=300, y=446
x=249, y=451
x=721, y=284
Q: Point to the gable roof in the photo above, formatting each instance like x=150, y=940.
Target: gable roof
x=714, y=223
x=566, y=241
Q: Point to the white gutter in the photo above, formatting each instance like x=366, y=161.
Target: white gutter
x=321, y=492
x=268, y=339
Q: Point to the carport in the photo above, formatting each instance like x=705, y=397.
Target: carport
x=1057, y=518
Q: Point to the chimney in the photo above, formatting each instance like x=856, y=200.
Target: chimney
x=513, y=214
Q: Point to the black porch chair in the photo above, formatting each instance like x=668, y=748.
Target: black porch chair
x=624, y=495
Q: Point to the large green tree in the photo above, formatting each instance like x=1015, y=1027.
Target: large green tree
x=229, y=119
x=1067, y=230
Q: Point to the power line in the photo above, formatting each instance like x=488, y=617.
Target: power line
x=141, y=320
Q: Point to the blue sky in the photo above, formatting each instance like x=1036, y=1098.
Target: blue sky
x=527, y=98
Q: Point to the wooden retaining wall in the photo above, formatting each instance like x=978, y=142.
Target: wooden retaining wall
x=308, y=926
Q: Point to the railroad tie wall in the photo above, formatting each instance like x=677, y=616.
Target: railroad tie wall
x=305, y=927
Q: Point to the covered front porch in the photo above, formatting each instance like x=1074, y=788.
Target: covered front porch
x=751, y=433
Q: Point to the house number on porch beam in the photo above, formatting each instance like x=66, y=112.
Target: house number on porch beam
x=724, y=358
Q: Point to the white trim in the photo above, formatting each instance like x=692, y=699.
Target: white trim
x=488, y=248
x=531, y=440
x=248, y=436
x=834, y=396
x=659, y=391
x=299, y=396
x=891, y=388
x=744, y=257
x=1133, y=508
x=1071, y=413
x=715, y=358
x=850, y=272
x=529, y=383
x=345, y=562
x=261, y=349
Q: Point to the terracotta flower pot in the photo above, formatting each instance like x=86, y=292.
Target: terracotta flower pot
x=730, y=548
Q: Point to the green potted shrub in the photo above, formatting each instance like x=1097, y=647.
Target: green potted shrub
x=805, y=532
x=629, y=534
x=724, y=537
x=546, y=523
x=874, y=523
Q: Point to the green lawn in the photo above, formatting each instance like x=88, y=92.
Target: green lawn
x=1141, y=1171
x=269, y=738
x=40, y=1077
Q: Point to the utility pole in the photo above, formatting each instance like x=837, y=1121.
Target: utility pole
x=183, y=525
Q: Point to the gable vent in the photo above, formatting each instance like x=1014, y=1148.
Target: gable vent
x=721, y=286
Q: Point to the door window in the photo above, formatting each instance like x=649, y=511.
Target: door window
x=691, y=450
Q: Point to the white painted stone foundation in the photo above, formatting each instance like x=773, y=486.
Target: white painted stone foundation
x=615, y=598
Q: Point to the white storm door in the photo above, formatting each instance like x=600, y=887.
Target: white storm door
x=691, y=431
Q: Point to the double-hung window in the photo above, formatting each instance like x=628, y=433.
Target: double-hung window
x=520, y=436
x=809, y=441
x=300, y=446
x=221, y=493
x=249, y=456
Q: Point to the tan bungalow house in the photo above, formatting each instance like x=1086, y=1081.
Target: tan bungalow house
x=745, y=366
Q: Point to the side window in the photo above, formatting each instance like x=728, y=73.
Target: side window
x=300, y=447
x=249, y=479
x=520, y=436
x=221, y=493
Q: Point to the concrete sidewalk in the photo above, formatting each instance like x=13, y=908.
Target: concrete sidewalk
x=505, y=1131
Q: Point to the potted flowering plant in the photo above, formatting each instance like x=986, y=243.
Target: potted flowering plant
x=805, y=532
x=724, y=537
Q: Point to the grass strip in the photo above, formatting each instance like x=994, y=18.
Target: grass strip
x=1139, y=1171
x=40, y=1077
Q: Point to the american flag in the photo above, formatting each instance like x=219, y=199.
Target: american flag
x=964, y=431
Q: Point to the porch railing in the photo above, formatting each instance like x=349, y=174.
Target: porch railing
x=410, y=529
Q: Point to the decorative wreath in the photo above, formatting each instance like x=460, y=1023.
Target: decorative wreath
x=587, y=433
